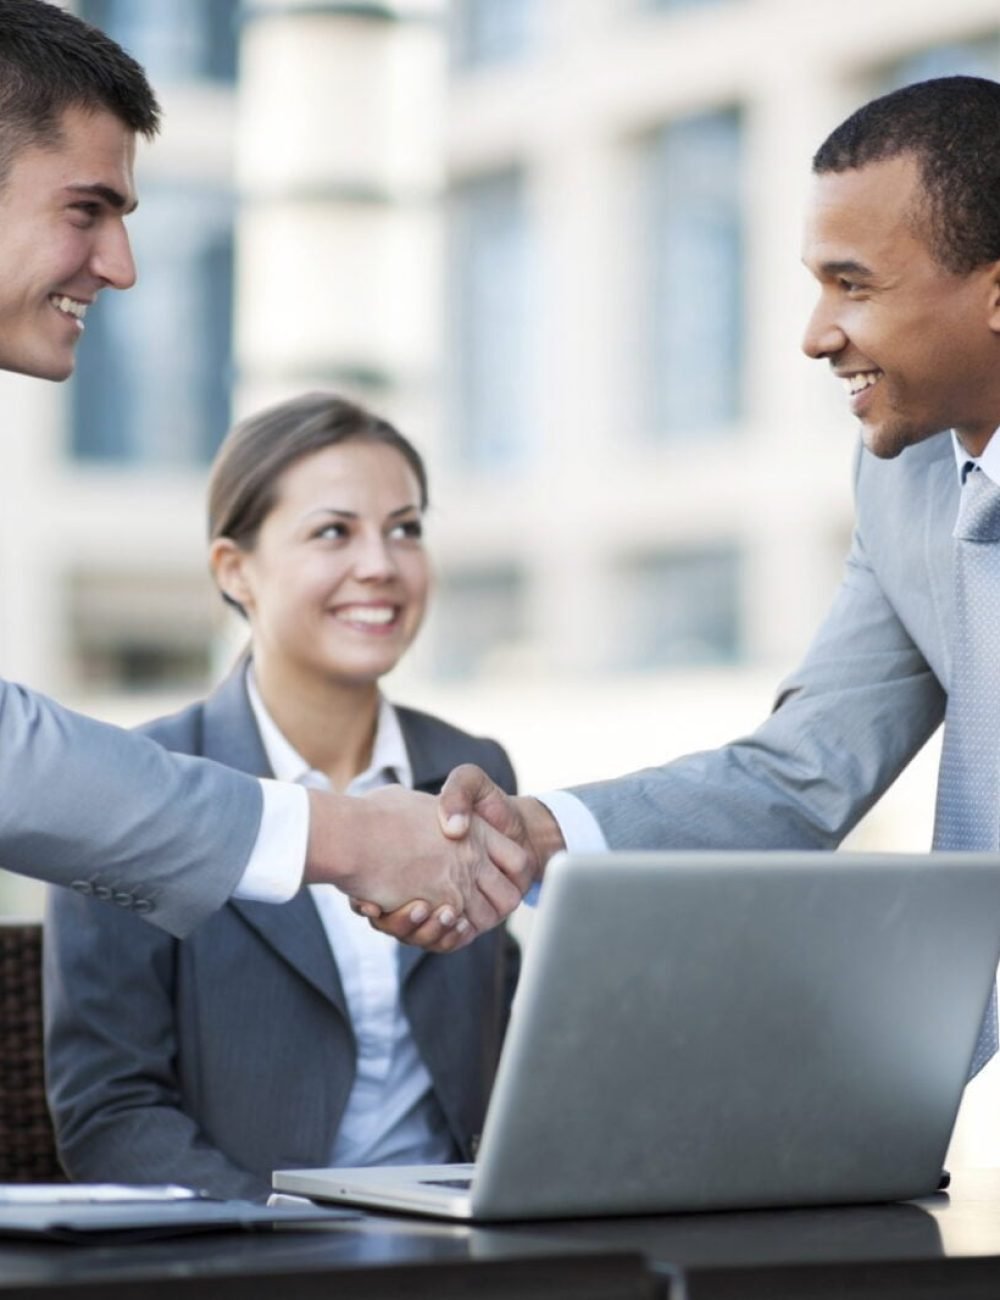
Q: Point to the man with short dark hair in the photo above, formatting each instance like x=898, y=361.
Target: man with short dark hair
x=107, y=812
x=903, y=239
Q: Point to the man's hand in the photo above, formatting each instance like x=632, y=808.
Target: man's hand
x=468, y=798
x=387, y=847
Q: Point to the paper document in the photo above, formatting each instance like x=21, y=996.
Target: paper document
x=91, y=1193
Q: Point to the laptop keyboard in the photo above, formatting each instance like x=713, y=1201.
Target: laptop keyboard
x=463, y=1184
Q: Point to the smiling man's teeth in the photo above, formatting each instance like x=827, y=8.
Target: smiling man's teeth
x=70, y=306
x=380, y=614
x=856, y=383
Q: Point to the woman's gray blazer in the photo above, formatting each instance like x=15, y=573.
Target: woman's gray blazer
x=215, y=1059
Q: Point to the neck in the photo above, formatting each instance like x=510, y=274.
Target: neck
x=331, y=724
x=975, y=441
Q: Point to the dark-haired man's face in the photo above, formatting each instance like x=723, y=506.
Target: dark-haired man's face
x=918, y=347
x=63, y=240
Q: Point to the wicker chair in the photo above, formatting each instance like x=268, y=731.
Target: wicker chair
x=27, y=1142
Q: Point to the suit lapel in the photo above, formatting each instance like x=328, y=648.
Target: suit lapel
x=293, y=930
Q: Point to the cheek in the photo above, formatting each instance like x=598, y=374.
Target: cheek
x=418, y=583
x=285, y=597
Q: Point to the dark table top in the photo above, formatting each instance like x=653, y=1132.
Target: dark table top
x=947, y=1245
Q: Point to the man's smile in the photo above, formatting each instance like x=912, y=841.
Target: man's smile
x=861, y=380
x=69, y=306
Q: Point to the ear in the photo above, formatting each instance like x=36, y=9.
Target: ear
x=993, y=282
x=228, y=563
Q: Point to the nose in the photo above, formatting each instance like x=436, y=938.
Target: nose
x=823, y=336
x=373, y=559
x=112, y=259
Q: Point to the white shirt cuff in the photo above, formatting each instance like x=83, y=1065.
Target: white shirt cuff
x=581, y=830
x=274, y=871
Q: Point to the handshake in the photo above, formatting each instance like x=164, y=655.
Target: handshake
x=432, y=871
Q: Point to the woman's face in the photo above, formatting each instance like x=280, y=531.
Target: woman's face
x=337, y=582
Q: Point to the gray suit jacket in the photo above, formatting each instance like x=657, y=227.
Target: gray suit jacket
x=870, y=691
x=116, y=817
x=216, y=1059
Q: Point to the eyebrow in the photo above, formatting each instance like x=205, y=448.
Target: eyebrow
x=847, y=267
x=112, y=197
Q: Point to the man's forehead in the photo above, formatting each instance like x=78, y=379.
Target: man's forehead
x=92, y=152
x=863, y=206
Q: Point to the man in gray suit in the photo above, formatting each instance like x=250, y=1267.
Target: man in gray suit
x=903, y=239
x=110, y=813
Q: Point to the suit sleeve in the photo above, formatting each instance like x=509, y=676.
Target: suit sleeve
x=111, y=1052
x=845, y=724
x=114, y=815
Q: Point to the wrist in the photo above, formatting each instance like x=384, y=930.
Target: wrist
x=542, y=831
x=332, y=846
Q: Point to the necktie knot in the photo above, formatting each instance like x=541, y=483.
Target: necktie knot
x=978, y=509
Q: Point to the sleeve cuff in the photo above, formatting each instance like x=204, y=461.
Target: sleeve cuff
x=580, y=829
x=274, y=871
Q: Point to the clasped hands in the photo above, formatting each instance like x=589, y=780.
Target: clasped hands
x=464, y=862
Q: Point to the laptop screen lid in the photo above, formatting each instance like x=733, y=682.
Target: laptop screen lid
x=701, y=1031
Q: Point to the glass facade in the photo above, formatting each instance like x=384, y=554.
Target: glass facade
x=153, y=383
x=490, y=345
x=492, y=31
x=684, y=4
x=966, y=58
x=477, y=614
x=176, y=40
x=695, y=273
x=681, y=609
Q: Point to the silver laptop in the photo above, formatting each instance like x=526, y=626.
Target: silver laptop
x=708, y=1031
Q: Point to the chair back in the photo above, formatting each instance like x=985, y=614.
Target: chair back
x=27, y=1140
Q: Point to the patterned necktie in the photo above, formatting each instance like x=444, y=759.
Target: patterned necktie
x=968, y=797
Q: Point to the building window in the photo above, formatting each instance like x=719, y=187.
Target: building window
x=185, y=40
x=491, y=349
x=138, y=632
x=153, y=380
x=492, y=31
x=681, y=609
x=478, y=619
x=683, y=4
x=695, y=273
x=962, y=58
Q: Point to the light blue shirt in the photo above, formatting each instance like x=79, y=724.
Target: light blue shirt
x=988, y=462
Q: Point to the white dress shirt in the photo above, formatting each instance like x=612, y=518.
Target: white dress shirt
x=392, y=1115
x=988, y=462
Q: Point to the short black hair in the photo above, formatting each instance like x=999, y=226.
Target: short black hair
x=51, y=61
x=951, y=127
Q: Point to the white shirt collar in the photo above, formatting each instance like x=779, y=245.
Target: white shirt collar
x=988, y=462
x=390, y=761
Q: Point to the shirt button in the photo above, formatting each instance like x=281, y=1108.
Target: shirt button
x=82, y=886
x=123, y=900
x=142, y=905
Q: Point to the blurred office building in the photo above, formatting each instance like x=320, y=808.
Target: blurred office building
x=558, y=241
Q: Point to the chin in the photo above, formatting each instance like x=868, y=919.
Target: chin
x=54, y=369
x=358, y=676
x=887, y=444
